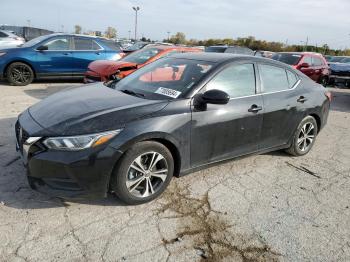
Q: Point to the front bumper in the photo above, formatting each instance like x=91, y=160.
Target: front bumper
x=81, y=174
x=93, y=77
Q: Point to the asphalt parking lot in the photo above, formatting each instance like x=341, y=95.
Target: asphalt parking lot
x=269, y=207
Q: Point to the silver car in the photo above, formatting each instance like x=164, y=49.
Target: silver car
x=9, y=40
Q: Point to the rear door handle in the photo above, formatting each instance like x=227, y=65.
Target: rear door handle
x=65, y=53
x=302, y=99
x=255, y=109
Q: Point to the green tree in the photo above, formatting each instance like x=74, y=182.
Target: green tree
x=111, y=32
x=77, y=29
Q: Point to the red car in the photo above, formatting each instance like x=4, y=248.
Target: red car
x=103, y=70
x=313, y=65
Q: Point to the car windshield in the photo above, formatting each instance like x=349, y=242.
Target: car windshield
x=141, y=56
x=167, y=78
x=215, y=49
x=336, y=59
x=35, y=41
x=290, y=59
x=136, y=46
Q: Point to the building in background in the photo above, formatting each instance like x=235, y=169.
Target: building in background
x=28, y=33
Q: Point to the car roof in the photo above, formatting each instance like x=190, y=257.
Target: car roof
x=223, y=57
x=80, y=35
x=301, y=53
x=10, y=33
x=170, y=47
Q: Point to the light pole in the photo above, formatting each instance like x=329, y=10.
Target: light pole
x=129, y=34
x=136, y=9
x=168, y=36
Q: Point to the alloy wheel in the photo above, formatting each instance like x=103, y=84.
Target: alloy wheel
x=20, y=74
x=146, y=174
x=306, y=136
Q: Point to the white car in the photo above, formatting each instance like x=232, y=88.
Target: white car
x=9, y=40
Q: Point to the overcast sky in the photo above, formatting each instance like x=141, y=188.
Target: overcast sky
x=323, y=21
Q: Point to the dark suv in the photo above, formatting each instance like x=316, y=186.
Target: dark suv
x=313, y=65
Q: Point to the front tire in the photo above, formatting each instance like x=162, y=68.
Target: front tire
x=143, y=173
x=304, y=137
x=324, y=81
x=19, y=74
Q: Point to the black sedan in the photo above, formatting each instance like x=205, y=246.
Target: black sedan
x=167, y=119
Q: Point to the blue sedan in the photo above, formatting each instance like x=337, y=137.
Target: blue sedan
x=54, y=56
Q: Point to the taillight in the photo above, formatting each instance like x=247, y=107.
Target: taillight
x=328, y=95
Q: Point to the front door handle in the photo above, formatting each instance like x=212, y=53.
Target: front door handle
x=65, y=53
x=302, y=99
x=255, y=109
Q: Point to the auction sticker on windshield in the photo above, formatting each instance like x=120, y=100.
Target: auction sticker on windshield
x=168, y=92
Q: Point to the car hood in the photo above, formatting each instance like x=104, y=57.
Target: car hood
x=90, y=109
x=12, y=49
x=339, y=67
x=107, y=68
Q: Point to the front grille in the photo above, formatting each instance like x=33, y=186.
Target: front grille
x=21, y=135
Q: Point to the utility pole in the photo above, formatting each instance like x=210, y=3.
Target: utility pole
x=129, y=34
x=136, y=9
x=306, y=43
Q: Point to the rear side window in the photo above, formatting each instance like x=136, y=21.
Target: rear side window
x=3, y=34
x=292, y=78
x=236, y=80
x=85, y=44
x=273, y=78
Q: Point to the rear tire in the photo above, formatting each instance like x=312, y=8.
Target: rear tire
x=143, y=173
x=19, y=74
x=304, y=137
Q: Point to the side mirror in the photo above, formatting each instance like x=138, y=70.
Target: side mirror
x=42, y=48
x=304, y=65
x=216, y=97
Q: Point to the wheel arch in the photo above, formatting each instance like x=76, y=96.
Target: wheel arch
x=318, y=121
x=163, y=138
x=19, y=61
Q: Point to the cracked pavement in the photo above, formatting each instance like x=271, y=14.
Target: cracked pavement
x=269, y=207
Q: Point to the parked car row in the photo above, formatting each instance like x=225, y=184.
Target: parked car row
x=313, y=65
x=98, y=59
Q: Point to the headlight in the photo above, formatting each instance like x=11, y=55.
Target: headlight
x=2, y=53
x=74, y=143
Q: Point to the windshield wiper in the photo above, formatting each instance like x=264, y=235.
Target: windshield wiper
x=129, y=92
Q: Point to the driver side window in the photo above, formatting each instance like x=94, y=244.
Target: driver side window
x=58, y=44
x=235, y=80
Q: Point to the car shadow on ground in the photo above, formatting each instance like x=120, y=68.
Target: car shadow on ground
x=14, y=188
x=340, y=100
